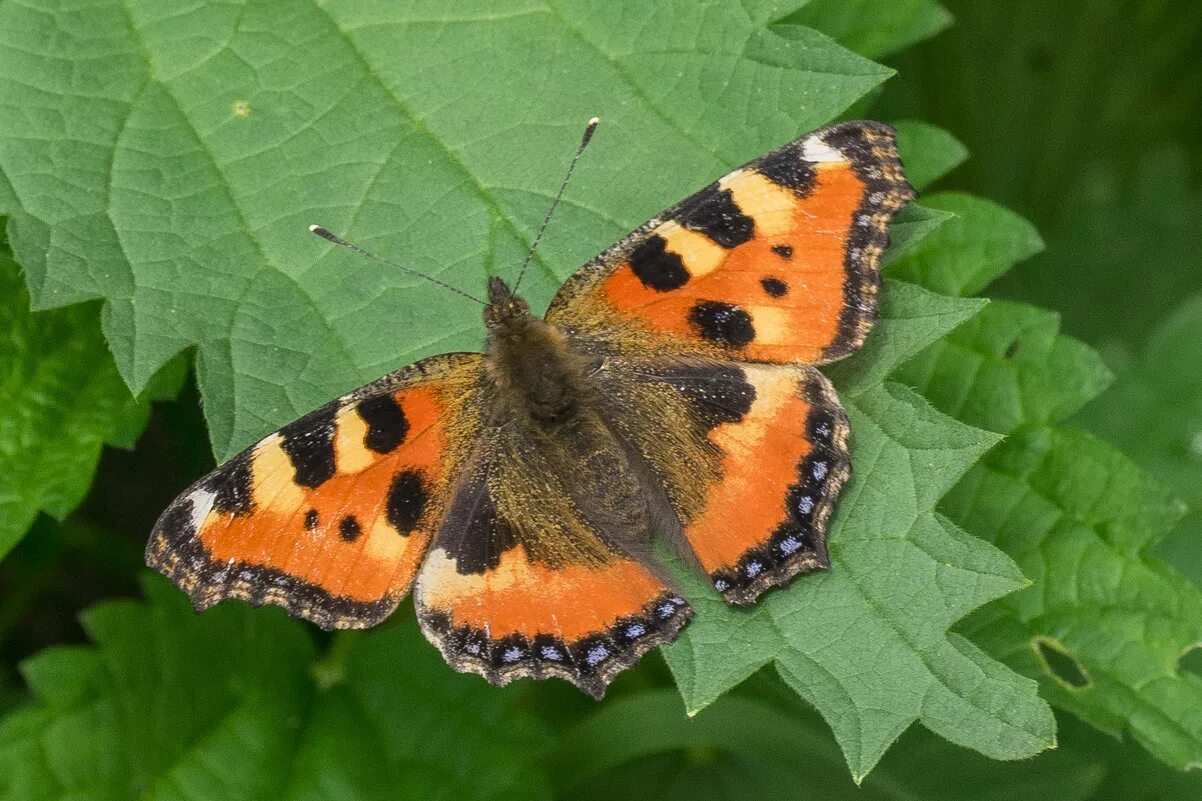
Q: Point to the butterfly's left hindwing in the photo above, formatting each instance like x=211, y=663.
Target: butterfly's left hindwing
x=331, y=516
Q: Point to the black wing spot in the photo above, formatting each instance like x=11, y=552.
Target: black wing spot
x=309, y=443
x=713, y=212
x=474, y=534
x=774, y=287
x=788, y=168
x=311, y=520
x=723, y=323
x=407, y=497
x=386, y=423
x=349, y=529
x=176, y=523
x=657, y=267
x=718, y=394
x=230, y=485
x=784, y=251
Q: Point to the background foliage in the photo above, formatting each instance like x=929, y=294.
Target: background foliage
x=1015, y=534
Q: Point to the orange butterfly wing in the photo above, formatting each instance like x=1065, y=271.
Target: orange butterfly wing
x=723, y=302
x=331, y=516
x=777, y=261
x=542, y=565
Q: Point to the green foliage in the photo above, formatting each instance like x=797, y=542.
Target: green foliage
x=61, y=400
x=874, y=29
x=166, y=162
x=1104, y=623
x=171, y=705
x=1154, y=413
x=1119, y=227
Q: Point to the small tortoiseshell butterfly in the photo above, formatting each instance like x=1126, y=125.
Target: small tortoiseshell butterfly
x=669, y=390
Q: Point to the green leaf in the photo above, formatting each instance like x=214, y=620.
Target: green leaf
x=1154, y=413
x=874, y=29
x=169, y=704
x=911, y=225
x=1079, y=517
x=1104, y=623
x=188, y=172
x=927, y=151
x=900, y=577
x=190, y=177
x=910, y=318
x=61, y=401
x=1127, y=242
x=763, y=746
x=969, y=252
x=1007, y=367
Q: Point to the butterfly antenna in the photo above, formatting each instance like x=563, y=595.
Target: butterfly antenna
x=588, y=134
x=326, y=234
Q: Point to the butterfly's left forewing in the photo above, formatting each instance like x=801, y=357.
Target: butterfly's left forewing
x=331, y=516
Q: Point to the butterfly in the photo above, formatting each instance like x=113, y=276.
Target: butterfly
x=671, y=390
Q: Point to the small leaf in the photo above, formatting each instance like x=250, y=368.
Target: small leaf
x=910, y=319
x=1007, y=367
x=927, y=151
x=912, y=224
x=969, y=252
x=874, y=29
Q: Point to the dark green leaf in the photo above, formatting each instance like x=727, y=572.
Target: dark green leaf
x=968, y=252
x=874, y=29
x=61, y=401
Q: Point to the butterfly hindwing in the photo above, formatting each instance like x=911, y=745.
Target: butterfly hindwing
x=752, y=457
x=777, y=261
x=544, y=570
x=331, y=516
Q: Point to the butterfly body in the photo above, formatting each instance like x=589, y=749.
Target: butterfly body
x=543, y=383
x=670, y=391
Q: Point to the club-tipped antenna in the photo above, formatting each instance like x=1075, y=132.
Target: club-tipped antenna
x=584, y=140
x=326, y=234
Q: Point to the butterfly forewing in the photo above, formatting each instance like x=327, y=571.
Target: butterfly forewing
x=331, y=516
x=777, y=261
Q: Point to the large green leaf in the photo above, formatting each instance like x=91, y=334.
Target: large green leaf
x=61, y=401
x=177, y=180
x=171, y=705
x=1104, y=623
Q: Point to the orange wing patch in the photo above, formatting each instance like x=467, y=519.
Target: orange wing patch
x=504, y=602
x=522, y=618
x=331, y=516
x=776, y=262
x=783, y=464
